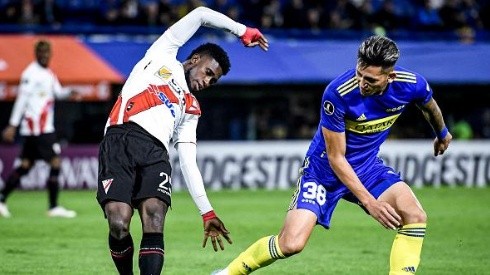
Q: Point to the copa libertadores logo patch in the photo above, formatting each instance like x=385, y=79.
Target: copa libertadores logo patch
x=328, y=107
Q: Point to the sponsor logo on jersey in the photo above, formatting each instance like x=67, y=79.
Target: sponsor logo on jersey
x=369, y=127
x=174, y=86
x=107, y=184
x=164, y=73
x=328, y=107
x=395, y=109
x=161, y=95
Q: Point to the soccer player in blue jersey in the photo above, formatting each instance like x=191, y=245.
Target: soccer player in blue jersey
x=358, y=109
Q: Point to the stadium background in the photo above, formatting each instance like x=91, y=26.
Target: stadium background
x=267, y=98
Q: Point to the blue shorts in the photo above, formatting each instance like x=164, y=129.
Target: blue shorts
x=322, y=197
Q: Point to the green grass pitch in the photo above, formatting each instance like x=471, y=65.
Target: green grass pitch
x=457, y=240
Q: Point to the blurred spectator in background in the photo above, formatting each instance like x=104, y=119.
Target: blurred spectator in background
x=462, y=130
x=463, y=17
x=388, y=17
x=342, y=15
x=294, y=13
x=130, y=13
x=109, y=12
x=49, y=13
x=482, y=124
x=427, y=17
x=167, y=12
x=271, y=15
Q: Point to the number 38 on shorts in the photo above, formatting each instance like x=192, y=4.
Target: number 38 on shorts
x=314, y=192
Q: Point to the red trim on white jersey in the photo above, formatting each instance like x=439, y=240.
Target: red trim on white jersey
x=44, y=115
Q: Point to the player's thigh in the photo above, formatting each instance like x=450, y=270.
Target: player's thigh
x=401, y=197
x=48, y=148
x=116, y=174
x=154, y=181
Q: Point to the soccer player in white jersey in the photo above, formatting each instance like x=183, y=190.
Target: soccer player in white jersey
x=156, y=109
x=34, y=110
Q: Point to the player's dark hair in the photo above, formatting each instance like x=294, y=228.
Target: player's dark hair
x=42, y=44
x=378, y=51
x=216, y=52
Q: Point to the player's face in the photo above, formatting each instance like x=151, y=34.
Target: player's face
x=373, y=79
x=203, y=72
x=43, y=55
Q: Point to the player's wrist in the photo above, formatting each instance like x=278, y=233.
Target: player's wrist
x=442, y=133
x=208, y=216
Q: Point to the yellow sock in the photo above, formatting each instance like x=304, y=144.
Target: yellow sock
x=405, y=252
x=262, y=253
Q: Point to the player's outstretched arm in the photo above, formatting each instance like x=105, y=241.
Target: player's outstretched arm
x=433, y=115
x=214, y=228
x=182, y=30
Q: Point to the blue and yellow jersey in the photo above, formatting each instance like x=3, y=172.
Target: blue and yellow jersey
x=366, y=120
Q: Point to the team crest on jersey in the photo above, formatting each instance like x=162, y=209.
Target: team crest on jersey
x=328, y=107
x=164, y=73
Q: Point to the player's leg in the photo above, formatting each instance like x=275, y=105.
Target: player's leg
x=294, y=235
x=407, y=246
x=52, y=184
x=120, y=241
x=308, y=206
x=152, y=196
x=48, y=149
x=151, y=255
x=12, y=182
x=116, y=178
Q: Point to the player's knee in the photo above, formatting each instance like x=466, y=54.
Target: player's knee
x=118, y=226
x=119, y=217
x=290, y=246
x=418, y=216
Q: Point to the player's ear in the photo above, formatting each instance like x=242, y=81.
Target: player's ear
x=195, y=58
x=391, y=77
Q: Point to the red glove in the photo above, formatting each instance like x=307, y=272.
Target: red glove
x=253, y=37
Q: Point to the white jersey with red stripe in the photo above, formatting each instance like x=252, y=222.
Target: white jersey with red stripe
x=156, y=95
x=34, y=106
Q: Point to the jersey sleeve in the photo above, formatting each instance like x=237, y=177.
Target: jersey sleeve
x=192, y=176
x=23, y=94
x=180, y=32
x=186, y=131
x=59, y=91
x=332, y=111
x=423, y=92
